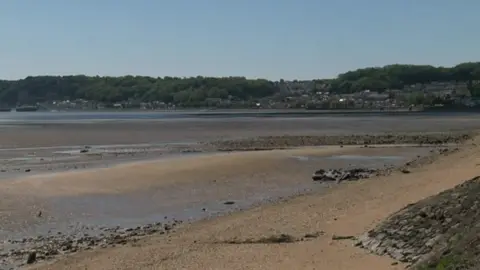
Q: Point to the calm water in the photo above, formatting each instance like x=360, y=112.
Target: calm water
x=18, y=117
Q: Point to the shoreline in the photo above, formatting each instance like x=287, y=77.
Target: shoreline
x=26, y=161
x=208, y=242
x=133, y=194
x=192, y=131
x=89, y=117
x=156, y=226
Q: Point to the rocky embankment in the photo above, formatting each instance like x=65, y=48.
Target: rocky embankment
x=279, y=142
x=440, y=232
x=21, y=252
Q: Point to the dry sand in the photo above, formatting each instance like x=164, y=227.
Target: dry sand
x=349, y=209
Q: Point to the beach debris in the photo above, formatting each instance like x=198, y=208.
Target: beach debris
x=272, y=239
x=39, y=213
x=341, y=237
x=339, y=175
x=314, y=234
x=229, y=202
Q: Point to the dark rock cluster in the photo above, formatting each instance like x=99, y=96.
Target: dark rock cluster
x=440, y=230
x=339, y=175
x=30, y=250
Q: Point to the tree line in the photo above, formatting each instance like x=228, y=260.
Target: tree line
x=186, y=91
x=398, y=76
x=196, y=91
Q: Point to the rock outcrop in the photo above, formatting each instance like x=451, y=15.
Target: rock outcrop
x=339, y=175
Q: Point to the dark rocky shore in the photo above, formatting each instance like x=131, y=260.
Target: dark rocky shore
x=279, y=142
x=355, y=174
x=440, y=232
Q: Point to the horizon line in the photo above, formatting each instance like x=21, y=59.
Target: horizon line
x=231, y=76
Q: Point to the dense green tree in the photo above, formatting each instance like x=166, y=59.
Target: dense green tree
x=200, y=91
x=188, y=91
x=398, y=76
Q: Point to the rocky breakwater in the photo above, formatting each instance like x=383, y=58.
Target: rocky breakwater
x=440, y=232
x=25, y=251
x=281, y=142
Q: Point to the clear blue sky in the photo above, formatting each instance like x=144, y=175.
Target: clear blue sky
x=272, y=39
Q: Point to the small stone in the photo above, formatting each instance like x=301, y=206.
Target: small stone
x=32, y=257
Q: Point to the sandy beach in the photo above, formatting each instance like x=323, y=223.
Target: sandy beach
x=346, y=210
x=155, y=181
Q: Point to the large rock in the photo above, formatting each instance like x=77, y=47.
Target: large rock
x=339, y=175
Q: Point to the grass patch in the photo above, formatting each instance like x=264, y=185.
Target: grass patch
x=449, y=262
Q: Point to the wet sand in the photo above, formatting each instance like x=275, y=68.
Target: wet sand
x=184, y=188
x=194, y=130
x=190, y=188
x=345, y=210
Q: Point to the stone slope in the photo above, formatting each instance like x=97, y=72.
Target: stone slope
x=439, y=231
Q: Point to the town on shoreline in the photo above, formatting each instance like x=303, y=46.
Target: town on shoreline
x=393, y=87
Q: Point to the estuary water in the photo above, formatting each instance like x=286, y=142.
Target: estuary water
x=92, y=116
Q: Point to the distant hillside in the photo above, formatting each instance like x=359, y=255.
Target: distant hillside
x=197, y=91
x=399, y=76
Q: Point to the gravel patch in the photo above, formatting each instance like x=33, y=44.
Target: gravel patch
x=20, y=252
